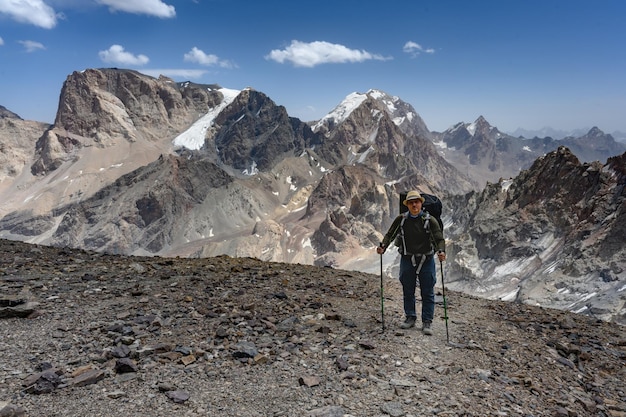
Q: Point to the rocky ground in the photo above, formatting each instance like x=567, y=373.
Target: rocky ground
x=86, y=334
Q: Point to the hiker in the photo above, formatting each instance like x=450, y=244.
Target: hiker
x=420, y=237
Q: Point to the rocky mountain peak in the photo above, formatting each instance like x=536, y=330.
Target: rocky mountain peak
x=555, y=225
x=481, y=125
x=401, y=113
x=17, y=141
x=595, y=132
x=7, y=114
x=253, y=133
x=106, y=108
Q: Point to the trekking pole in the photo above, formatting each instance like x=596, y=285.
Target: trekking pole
x=382, y=300
x=445, y=304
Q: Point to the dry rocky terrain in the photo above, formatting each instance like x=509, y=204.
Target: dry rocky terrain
x=88, y=334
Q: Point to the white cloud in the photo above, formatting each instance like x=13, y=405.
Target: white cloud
x=117, y=55
x=34, y=12
x=198, y=56
x=32, y=46
x=180, y=74
x=302, y=54
x=1, y=41
x=150, y=7
x=414, y=49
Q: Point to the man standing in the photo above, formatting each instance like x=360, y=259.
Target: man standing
x=419, y=237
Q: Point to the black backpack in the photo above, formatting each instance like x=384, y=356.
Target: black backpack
x=432, y=204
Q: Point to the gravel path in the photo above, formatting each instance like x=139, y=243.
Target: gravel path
x=85, y=334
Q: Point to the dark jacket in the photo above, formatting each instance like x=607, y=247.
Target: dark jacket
x=418, y=240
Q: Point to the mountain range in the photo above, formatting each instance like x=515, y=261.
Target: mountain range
x=138, y=165
x=561, y=134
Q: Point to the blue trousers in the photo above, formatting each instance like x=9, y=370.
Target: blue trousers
x=427, y=279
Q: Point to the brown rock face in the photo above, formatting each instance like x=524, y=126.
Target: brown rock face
x=101, y=107
x=255, y=133
x=17, y=141
x=108, y=103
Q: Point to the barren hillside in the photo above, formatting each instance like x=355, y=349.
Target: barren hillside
x=87, y=334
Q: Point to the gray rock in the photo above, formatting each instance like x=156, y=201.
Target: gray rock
x=393, y=409
x=88, y=378
x=178, y=397
x=43, y=383
x=11, y=410
x=19, y=310
x=327, y=411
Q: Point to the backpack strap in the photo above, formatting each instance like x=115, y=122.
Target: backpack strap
x=427, y=222
x=403, y=247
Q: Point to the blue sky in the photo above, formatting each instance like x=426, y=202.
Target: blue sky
x=526, y=63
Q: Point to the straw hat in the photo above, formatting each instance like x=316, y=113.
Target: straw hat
x=412, y=195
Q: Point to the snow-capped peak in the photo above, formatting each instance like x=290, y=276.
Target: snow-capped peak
x=343, y=110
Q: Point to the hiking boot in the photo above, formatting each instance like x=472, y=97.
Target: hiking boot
x=426, y=328
x=408, y=323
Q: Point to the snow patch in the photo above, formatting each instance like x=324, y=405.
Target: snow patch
x=364, y=154
x=584, y=298
x=513, y=267
x=398, y=120
x=252, y=171
x=193, y=138
x=441, y=144
x=505, y=185
x=510, y=296
x=581, y=310
x=292, y=187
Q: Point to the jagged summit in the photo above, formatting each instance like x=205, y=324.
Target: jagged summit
x=544, y=236
x=341, y=111
x=489, y=154
x=401, y=113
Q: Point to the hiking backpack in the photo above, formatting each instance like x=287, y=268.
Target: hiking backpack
x=432, y=204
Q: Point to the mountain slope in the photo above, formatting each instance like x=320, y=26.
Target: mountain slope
x=541, y=241
x=239, y=337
